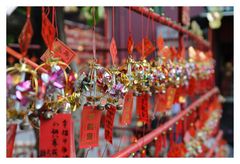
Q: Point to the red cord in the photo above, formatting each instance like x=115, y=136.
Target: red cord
x=142, y=38
x=153, y=32
x=171, y=137
x=28, y=12
x=94, y=37
x=54, y=20
x=129, y=21
x=113, y=22
x=148, y=25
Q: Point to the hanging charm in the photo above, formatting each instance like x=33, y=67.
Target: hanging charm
x=142, y=108
x=25, y=37
x=108, y=124
x=11, y=134
x=145, y=47
x=89, y=130
x=130, y=45
x=113, y=50
x=48, y=29
x=59, y=51
x=126, y=117
x=56, y=137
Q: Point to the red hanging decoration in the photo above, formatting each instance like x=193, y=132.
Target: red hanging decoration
x=113, y=50
x=56, y=48
x=185, y=122
x=180, y=128
x=171, y=137
x=177, y=131
x=143, y=153
x=158, y=146
x=126, y=117
x=89, y=131
x=170, y=97
x=56, y=136
x=113, y=46
x=61, y=51
x=48, y=29
x=160, y=103
x=73, y=148
x=108, y=125
x=145, y=47
x=130, y=45
x=160, y=43
x=164, y=137
x=25, y=37
x=177, y=150
x=11, y=134
x=166, y=53
x=142, y=107
x=192, y=130
x=174, y=53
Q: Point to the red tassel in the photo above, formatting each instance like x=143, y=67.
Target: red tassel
x=177, y=131
x=158, y=146
x=189, y=120
x=185, y=123
x=181, y=128
x=171, y=140
x=192, y=131
x=194, y=116
x=143, y=153
x=164, y=140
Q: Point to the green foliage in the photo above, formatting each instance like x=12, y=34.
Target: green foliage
x=87, y=13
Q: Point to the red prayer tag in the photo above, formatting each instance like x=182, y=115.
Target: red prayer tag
x=108, y=125
x=61, y=51
x=130, y=45
x=145, y=47
x=160, y=103
x=142, y=107
x=25, y=37
x=113, y=50
x=160, y=43
x=90, y=124
x=126, y=117
x=11, y=133
x=55, y=136
x=48, y=31
x=170, y=97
